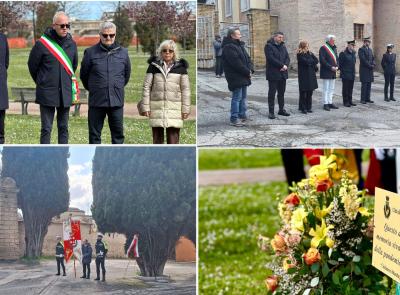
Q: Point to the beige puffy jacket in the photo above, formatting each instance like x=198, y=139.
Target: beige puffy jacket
x=166, y=96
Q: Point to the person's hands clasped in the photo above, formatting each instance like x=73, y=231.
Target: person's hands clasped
x=284, y=68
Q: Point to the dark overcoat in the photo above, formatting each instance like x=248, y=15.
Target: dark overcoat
x=276, y=56
x=389, y=64
x=347, y=65
x=367, y=63
x=307, y=66
x=327, y=62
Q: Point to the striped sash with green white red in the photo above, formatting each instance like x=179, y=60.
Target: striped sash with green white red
x=64, y=60
x=330, y=52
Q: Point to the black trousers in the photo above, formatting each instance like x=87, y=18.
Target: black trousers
x=365, y=91
x=347, y=91
x=100, y=263
x=389, y=80
x=96, y=118
x=305, y=103
x=2, y=118
x=86, y=266
x=60, y=261
x=218, y=66
x=276, y=86
x=47, y=118
x=172, y=135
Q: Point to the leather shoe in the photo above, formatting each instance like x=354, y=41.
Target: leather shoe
x=304, y=112
x=347, y=105
x=326, y=107
x=271, y=116
x=363, y=102
x=283, y=113
x=370, y=101
x=332, y=106
x=387, y=99
x=353, y=104
x=309, y=111
x=392, y=99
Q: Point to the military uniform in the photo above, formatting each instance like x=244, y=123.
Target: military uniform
x=60, y=257
x=347, y=67
x=389, y=67
x=101, y=252
x=367, y=64
x=86, y=260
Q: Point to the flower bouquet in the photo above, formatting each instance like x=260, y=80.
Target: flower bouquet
x=325, y=243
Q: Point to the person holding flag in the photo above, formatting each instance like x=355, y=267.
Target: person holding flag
x=328, y=59
x=133, y=250
x=101, y=252
x=52, y=64
x=60, y=256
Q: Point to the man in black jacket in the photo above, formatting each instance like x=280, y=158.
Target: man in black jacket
x=4, y=61
x=389, y=67
x=86, y=259
x=218, y=56
x=54, y=85
x=238, y=69
x=367, y=64
x=347, y=67
x=60, y=256
x=277, y=63
x=101, y=252
x=105, y=71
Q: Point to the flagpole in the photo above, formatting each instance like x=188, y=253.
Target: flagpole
x=74, y=267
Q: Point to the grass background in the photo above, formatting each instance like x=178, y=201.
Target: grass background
x=18, y=73
x=26, y=130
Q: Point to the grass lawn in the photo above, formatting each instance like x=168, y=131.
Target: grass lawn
x=230, y=220
x=214, y=159
x=26, y=130
x=18, y=73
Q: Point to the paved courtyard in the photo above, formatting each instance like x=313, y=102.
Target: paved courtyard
x=22, y=279
x=375, y=124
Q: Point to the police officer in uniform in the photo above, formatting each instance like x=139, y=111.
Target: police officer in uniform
x=101, y=252
x=60, y=256
x=367, y=64
x=389, y=67
x=347, y=67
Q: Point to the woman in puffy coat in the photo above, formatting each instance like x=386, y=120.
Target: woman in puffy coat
x=166, y=93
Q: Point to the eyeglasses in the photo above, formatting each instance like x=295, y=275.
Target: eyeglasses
x=105, y=36
x=63, y=26
x=167, y=50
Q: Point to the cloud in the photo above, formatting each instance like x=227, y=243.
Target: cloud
x=80, y=186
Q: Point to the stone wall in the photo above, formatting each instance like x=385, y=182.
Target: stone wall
x=9, y=238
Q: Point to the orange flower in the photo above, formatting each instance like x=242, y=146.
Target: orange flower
x=324, y=185
x=311, y=256
x=278, y=244
x=287, y=265
x=271, y=283
x=292, y=199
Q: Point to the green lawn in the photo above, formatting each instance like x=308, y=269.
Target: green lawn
x=230, y=220
x=26, y=130
x=18, y=73
x=214, y=159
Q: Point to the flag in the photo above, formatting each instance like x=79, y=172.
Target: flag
x=72, y=239
x=133, y=250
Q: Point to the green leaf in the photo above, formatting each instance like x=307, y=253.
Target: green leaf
x=325, y=269
x=330, y=252
x=357, y=270
x=340, y=259
x=345, y=278
x=307, y=291
x=335, y=278
x=314, y=282
x=315, y=267
x=291, y=270
x=333, y=262
x=356, y=258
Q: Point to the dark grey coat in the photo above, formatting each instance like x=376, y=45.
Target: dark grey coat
x=104, y=73
x=327, y=62
x=53, y=84
x=367, y=63
x=347, y=65
x=389, y=63
x=307, y=66
x=87, y=253
x=4, y=61
x=276, y=57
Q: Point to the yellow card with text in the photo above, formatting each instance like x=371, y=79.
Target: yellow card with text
x=386, y=244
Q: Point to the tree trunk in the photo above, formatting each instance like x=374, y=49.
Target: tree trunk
x=35, y=230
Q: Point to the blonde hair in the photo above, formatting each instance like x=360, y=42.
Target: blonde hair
x=171, y=45
x=303, y=47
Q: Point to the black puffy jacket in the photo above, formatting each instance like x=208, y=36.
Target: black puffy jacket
x=276, y=57
x=104, y=73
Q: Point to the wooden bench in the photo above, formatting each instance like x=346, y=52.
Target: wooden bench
x=26, y=95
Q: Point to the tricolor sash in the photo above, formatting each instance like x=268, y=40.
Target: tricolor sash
x=64, y=60
x=330, y=52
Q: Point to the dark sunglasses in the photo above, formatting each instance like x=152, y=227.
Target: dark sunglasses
x=167, y=50
x=105, y=36
x=63, y=26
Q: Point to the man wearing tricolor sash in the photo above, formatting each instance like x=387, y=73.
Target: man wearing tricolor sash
x=328, y=59
x=52, y=64
x=367, y=64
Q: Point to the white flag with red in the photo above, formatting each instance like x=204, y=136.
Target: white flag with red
x=72, y=239
x=133, y=250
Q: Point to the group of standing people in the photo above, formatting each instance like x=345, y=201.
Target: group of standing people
x=238, y=70
x=105, y=71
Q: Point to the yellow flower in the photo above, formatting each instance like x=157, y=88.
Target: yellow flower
x=364, y=211
x=319, y=234
x=329, y=242
x=297, y=221
x=321, y=213
x=321, y=171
